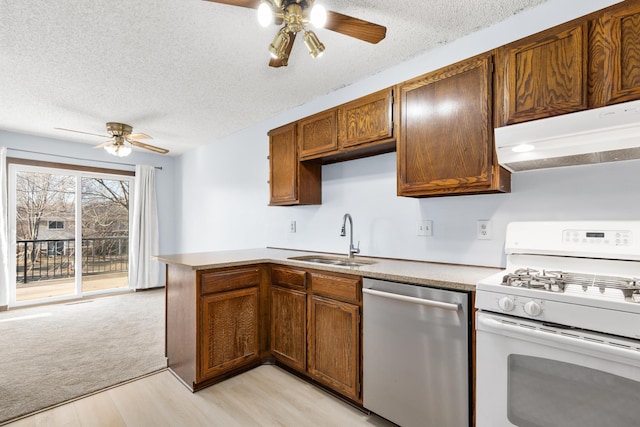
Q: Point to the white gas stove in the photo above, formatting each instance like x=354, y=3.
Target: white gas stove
x=558, y=331
x=577, y=274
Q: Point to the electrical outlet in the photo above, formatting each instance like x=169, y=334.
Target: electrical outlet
x=292, y=227
x=484, y=229
x=424, y=228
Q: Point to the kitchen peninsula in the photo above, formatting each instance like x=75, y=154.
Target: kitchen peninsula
x=230, y=311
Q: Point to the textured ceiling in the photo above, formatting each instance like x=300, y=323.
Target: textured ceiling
x=189, y=72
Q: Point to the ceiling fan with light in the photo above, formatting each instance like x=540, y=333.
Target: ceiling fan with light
x=120, y=140
x=296, y=15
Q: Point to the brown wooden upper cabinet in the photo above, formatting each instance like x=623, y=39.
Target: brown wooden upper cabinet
x=543, y=75
x=620, y=28
x=318, y=134
x=366, y=120
x=586, y=63
x=445, y=139
x=291, y=182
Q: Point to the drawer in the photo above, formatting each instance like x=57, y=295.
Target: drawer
x=344, y=288
x=226, y=280
x=289, y=277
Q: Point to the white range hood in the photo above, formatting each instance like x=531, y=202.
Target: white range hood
x=599, y=135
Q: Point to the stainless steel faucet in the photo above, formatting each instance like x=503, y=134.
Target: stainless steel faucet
x=352, y=249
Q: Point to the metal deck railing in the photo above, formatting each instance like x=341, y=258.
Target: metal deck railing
x=38, y=260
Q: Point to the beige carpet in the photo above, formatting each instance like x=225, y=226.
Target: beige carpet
x=54, y=353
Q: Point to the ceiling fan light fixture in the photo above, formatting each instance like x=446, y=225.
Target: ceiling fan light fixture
x=278, y=48
x=265, y=14
x=318, y=16
x=316, y=48
x=119, y=150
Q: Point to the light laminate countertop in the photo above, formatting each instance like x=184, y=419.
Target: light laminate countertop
x=448, y=276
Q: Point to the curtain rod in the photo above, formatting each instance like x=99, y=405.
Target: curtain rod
x=76, y=158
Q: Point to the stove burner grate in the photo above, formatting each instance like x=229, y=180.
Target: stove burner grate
x=557, y=281
x=534, y=279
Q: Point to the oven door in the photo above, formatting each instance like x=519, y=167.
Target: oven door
x=530, y=374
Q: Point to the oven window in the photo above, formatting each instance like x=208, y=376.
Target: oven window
x=549, y=393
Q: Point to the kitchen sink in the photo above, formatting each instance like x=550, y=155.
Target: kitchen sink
x=343, y=262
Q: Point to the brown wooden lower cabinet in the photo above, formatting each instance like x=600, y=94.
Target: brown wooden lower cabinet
x=212, y=322
x=334, y=345
x=221, y=322
x=289, y=327
x=334, y=337
x=315, y=329
x=228, y=332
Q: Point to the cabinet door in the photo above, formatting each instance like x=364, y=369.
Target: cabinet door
x=621, y=29
x=334, y=345
x=290, y=181
x=283, y=164
x=544, y=75
x=366, y=120
x=445, y=143
x=289, y=327
x=228, y=333
x=318, y=134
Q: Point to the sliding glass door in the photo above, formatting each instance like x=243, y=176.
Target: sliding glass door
x=44, y=205
x=105, y=233
x=69, y=231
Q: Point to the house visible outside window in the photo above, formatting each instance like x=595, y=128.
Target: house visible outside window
x=55, y=248
x=56, y=225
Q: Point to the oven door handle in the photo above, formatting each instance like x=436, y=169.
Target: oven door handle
x=427, y=302
x=606, y=347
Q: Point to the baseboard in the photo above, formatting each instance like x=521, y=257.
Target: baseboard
x=4, y=307
x=148, y=289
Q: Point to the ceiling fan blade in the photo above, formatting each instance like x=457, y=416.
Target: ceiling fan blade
x=148, y=147
x=137, y=136
x=354, y=27
x=242, y=3
x=275, y=62
x=86, y=133
x=104, y=144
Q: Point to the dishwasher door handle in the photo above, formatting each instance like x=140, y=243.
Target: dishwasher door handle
x=414, y=300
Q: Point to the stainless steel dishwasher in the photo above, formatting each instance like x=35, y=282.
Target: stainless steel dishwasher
x=416, y=354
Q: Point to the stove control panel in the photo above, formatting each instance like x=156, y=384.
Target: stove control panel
x=597, y=237
x=611, y=240
x=520, y=306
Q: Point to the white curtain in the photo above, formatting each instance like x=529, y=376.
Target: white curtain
x=143, y=271
x=4, y=231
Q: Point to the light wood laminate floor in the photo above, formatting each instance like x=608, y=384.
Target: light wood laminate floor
x=264, y=396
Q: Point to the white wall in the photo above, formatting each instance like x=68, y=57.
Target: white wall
x=58, y=151
x=386, y=224
x=223, y=190
x=222, y=193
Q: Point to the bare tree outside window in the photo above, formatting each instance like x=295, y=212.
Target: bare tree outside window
x=40, y=196
x=46, y=227
x=105, y=223
x=105, y=208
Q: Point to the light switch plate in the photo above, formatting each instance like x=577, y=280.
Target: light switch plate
x=424, y=228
